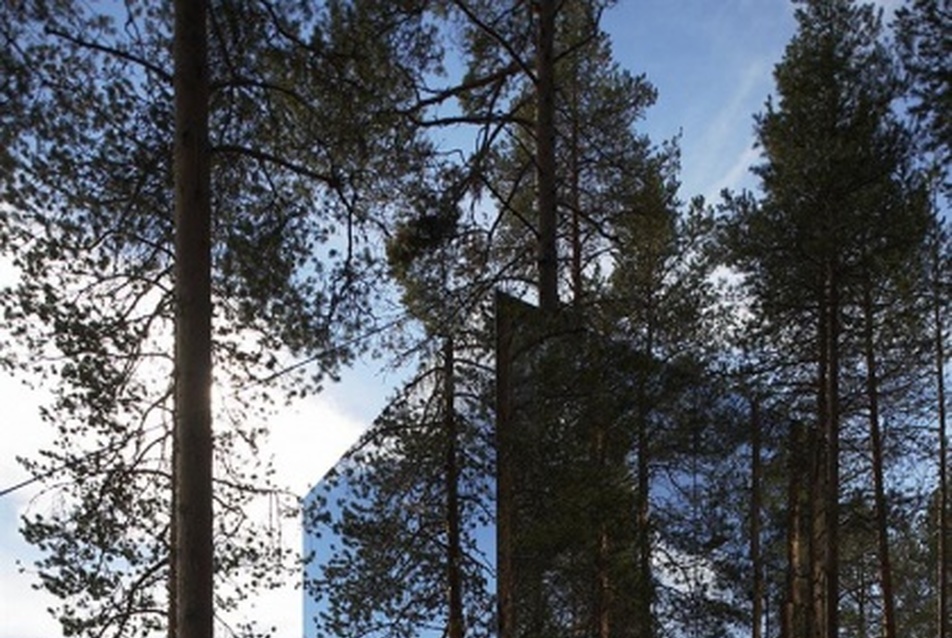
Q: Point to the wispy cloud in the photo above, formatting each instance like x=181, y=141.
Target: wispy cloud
x=21, y=606
x=738, y=175
x=728, y=134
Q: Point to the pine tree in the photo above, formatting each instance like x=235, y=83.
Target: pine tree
x=660, y=300
x=923, y=27
x=833, y=198
x=297, y=172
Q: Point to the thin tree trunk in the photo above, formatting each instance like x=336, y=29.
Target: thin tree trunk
x=601, y=616
x=819, y=473
x=575, y=196
x=505, y=505
x=545, y=158
x=643, y=621
x=172, y=584
x=193, y=366
x=879, y=489
x=833, y=464
x=788, y=617
x=861, y=605
x=454, y=550
x=644, y=594
x=942, y=549
x=826, y=485
x=755, y=508
x=798, y=611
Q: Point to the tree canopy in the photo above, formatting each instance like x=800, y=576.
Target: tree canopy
x=630, y=412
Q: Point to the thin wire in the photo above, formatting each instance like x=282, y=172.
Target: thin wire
x=324, y=353
x=298, y=364
x=56, y=470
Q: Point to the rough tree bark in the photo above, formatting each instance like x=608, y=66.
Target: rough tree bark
x=832, y=418
x=505, y=505
x=575, y=199
x=798, y=612
x=193, y=367
x=172, y=586
x=643, y=621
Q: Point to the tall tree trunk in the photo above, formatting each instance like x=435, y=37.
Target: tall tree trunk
x=644, y=596
x=172, y=584
x=879, y=488
x=942, y=548
x=601, y=616
x=643, y=620
x=833, y=463
x=505, y=503
x=454, y=549
x=819, y=475
x=825, y=554
x=755, y=508
x=193, y=311
x=545, y=157
x=798, y=610
x=861, y=598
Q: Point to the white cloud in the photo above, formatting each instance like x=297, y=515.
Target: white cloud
x=306, y=440
x=738, y=173
x=719, y=138
x=22, y=608
x=25, y=433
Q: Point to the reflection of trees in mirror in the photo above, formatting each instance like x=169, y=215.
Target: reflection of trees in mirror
x=399, y=527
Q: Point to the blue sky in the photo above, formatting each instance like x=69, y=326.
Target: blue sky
x=712, y=64
x=711, y=61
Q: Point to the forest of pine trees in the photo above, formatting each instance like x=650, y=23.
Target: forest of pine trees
x=631, y=412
